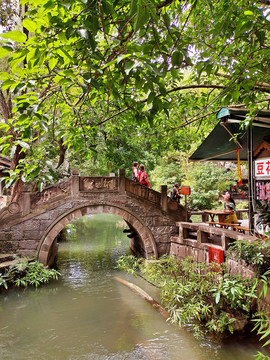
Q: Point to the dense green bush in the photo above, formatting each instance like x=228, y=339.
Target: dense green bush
x=256, y=253
x=168, y=171
x=207, y=294
x=208, y=181
x=25, y=272
x=199, y=292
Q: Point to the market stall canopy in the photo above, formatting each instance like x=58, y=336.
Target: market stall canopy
x=220, y=145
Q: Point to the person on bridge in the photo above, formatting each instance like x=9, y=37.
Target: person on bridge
x=175, y=195
x=143, y=177
x=229, y=204
x=134, y=171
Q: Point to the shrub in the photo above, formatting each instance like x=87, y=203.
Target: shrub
x=255, y=253
x=25, y=272
x=192, y=291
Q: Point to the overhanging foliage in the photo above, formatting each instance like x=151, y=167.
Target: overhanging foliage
x=78, y=70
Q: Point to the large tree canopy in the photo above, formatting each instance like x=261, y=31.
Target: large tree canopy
x=88, y=71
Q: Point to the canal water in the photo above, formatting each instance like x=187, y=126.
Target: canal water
x=87, y=315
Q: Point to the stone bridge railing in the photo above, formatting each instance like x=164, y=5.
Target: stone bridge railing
x=30, y=227
x=78, y=185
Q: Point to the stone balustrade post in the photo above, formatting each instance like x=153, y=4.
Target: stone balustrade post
x=75, y=185
x=121, y=181
x=26, y=199
x=164, y=198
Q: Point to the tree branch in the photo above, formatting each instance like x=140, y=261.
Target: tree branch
x=6, y=110
x=62, y=149
x=199, y=86
x=178, y=38
x=165, y=3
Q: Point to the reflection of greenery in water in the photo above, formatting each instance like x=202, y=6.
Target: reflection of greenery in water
x=99, y=235
x=88, y=316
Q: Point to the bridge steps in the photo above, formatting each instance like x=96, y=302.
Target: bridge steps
x=6, y=257
x=7, y=260
x=6, y=264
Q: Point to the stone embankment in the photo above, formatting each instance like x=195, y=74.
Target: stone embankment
x=201, y=242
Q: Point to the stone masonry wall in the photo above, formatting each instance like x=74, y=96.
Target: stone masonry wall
x=31, y=231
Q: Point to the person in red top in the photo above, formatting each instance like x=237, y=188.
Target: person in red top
x=143, y=177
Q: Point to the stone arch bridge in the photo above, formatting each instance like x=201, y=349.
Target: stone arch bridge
x=31, y=226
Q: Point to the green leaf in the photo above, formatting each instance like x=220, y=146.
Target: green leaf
x=109, y=63
x=150, y=97
x=49, y=5
x=266, y=333
x=7, y=84
x=4, y=75
x=23, y=144
x=23, y=117
x=92, y=24
x=66, y=54
x=157, y=104
x=153, y=69
x=174, y=73
x=4, y=126
x=177, y=58
x=248, y=13
x=30, y=25
x=209, y=69
x=40, y=186
x=152, y=10
x=52, y=63
x=15, y=36
x=150, y=119
x=95, y=83
x=70, y=32
x=65, y=81
x=133, y=7
x=163, y=90
x=5, y=51
x=121, y=57
x=141, y=18
x=129, y=66
x=267, y=343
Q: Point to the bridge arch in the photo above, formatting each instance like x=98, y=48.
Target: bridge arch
x=46, y=247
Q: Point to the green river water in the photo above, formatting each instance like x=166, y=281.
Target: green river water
x=87, y=315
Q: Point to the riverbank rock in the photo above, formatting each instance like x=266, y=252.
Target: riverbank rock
x=239, y=323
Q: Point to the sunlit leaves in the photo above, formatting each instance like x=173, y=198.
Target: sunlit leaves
x=5, y=51
x=30, y=25
x=15, y=35
x=93, y=69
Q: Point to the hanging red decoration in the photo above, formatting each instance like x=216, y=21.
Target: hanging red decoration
x=239, y=167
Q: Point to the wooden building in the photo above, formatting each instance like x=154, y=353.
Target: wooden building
x=231, y=141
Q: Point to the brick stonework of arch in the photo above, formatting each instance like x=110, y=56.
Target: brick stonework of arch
x=30, y=227
x=48, y=240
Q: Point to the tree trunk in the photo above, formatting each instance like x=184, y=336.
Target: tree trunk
x=16, y=190
x=145, y=296
x=63, y=150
